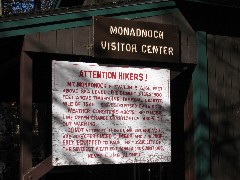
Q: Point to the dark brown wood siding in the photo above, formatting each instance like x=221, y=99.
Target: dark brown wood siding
x=224, y=105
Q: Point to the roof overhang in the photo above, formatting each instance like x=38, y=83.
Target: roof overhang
x=81, y=17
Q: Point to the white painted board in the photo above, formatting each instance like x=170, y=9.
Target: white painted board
x=109, y=115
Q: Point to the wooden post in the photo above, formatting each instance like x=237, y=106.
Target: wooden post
x=40, y=170
x=26, y=114
x=201, y=111
x=27, y=172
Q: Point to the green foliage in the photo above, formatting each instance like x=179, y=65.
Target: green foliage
x=9, y=141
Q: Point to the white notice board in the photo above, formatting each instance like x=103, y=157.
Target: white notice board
x=109, y=115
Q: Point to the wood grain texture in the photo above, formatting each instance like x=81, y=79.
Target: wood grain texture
x=64, y=41
x=223, y=78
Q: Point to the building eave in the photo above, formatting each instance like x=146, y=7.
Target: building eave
x=82, y=17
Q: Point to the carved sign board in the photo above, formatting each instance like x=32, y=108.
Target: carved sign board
x=109, y=115
x=127, y=39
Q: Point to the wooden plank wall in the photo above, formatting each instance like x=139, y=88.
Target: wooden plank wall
x=78, y=41
x=224, y=105
x=67, y=41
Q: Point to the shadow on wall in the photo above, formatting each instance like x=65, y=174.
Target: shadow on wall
x=224, y=111
x=224, y=106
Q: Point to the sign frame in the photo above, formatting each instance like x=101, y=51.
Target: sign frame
x=125, y=111
x=135, y=40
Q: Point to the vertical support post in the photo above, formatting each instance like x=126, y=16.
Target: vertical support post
x=201, y=111
x=26, y=114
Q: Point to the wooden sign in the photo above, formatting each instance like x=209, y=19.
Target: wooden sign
x=109, y=115
x=127, y=39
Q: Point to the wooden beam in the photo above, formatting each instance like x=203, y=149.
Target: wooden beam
x=40, y=170
x=61, y=17
x=26, y=170
x=26, y=114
